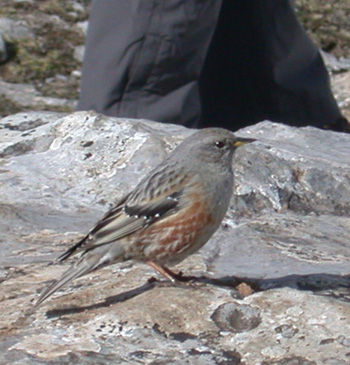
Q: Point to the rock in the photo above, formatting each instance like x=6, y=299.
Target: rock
x=83, y=26
x=333, y=64
x=24, y=1
x=233, y=317
x=285, y=238
x=79, y=53
x=3, y=50
x=34, y=127
x=27, y=96
x=77, y=6
x=13, y=30
x=76, y=74
x=341, y=87
x=327, y=23
x=77, y=9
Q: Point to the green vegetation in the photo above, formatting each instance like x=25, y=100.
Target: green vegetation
x=50, y=52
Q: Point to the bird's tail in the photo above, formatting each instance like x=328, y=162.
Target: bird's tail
x=90, y=261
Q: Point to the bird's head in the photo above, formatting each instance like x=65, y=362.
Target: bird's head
x=212, y=145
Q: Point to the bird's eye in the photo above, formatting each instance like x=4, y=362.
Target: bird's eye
x=219, y=144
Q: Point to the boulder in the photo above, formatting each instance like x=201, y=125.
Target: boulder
x=3, y=50
x=273, y=284
x=13, y=30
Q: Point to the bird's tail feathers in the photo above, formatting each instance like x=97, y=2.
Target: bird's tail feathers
x=90, y=261
x=72, y=250
x=74, y=272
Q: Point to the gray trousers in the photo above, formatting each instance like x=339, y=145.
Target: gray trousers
x=204, y=63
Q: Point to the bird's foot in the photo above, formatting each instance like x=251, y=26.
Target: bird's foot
x=180, y=277
x=173, y=277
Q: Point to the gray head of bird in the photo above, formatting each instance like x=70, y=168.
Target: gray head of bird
x=211, y=145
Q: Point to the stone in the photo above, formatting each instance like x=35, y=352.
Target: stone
x=285, y=238
x=333, y=64
x=236, y=318
x=341, y=87
x=13, y=30
x=290, y=361
x=79, y=53
x=27, y=96
x=76, y=74
x=3, y=50
x=24, y=1
x=83, y=26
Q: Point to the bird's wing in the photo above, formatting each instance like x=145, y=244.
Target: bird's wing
x=126, y=219
x=131, y=218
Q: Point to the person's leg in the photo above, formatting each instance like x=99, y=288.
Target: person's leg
x=143, y=58
x=262, y=65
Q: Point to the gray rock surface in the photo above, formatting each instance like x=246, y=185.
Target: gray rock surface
x=341, y=89
x=27, y=96
x=3, y=50
x=14, y=29
x=24, y=1
x=334, y=64
x=284, y=242
x=83, y=26
x=79, y=53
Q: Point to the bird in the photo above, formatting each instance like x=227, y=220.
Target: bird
x=170, y=214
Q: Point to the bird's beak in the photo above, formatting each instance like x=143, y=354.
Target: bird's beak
x=241, y=141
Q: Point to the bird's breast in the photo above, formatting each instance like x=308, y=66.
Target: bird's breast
x=173, y=238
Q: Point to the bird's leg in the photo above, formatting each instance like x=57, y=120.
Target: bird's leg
x=169, y=274
x=162, y=271
x=179, y=276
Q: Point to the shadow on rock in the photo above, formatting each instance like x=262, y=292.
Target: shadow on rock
x=106, y=303
x=335, y=286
